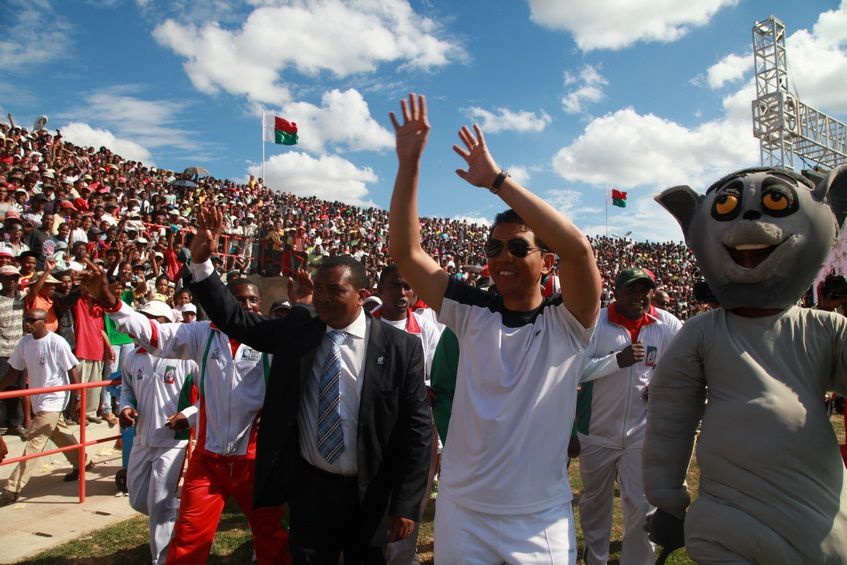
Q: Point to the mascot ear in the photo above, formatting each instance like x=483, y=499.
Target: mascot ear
x=680, y=201
x=834, y=187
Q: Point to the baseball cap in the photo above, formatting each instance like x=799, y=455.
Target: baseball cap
x=157, y=308
x=188, y=308
x=629, y=276
x=280, y=305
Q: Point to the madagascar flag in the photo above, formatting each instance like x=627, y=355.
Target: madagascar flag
x=279, y=130
x=618, y=198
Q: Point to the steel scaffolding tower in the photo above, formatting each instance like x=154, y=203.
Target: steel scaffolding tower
x=789, y=130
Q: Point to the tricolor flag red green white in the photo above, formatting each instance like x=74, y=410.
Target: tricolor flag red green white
x=618, y=198
x=279, y=130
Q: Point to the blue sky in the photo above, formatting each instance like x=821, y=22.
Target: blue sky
x=575, y=96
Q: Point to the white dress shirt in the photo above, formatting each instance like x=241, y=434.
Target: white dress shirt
x=353, y=350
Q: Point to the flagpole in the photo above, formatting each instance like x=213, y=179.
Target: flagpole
x=262, y=134
x=606, y=199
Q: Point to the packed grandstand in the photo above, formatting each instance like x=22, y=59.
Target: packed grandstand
x=64, y=202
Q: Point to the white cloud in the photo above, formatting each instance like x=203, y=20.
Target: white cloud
x=729, y=69
x=616, y=24
x=520, y=174
x=471, y=219
x=643, y=216
x=149, y=123
x=590, y=89
x=569, y=203
x=342, y=118
x=33, y=34
x=84, y=135
x=309, y=37
x=328, y=177
x=628, y=149
x=504, y=119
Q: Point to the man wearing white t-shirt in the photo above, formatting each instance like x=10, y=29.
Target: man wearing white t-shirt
x=48, y=361
x=504, y=494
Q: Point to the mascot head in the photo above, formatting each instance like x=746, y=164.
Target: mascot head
x=760, y=236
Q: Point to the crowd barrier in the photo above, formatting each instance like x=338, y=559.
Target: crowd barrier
x=267, y=261
x=83, y=442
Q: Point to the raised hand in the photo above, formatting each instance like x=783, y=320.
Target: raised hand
x=482, y=170
x=96, y=283
x=300, y=287
x=209, y=228
x=411, y=136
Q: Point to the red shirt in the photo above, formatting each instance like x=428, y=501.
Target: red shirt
x=88, y=325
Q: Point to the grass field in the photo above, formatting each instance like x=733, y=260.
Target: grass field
x=126, y=542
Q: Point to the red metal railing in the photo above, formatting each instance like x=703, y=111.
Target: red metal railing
x=83, y=444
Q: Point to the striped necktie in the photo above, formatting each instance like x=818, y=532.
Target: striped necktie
x=330, y=435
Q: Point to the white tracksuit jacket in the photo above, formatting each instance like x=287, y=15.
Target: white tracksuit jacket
x=611, y=408
x=152, y=385
x=232, y=388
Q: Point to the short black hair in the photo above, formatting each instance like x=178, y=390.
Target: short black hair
x=511, y=217
x=241, y=281
x=389, y=270
x=358, y=275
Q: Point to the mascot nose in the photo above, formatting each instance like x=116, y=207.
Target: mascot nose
x=752, y=215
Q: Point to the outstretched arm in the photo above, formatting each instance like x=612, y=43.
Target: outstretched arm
x=404, y=233
x=578, y=271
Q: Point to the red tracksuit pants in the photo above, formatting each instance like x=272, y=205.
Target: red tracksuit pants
x=209, y=482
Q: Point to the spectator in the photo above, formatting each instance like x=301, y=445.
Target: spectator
x=11, y=331
x=48, y=361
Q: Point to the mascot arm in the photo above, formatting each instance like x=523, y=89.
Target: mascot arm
x=675, y=408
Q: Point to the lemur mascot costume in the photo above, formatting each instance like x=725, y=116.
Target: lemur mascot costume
x=753, y=374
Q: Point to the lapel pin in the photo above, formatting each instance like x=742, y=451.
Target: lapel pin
x=380, y=360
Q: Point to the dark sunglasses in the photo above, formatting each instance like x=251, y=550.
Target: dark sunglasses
x=519, y=248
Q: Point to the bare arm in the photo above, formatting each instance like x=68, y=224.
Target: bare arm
x=49, y=265
x=578, y=272
x=404, y=234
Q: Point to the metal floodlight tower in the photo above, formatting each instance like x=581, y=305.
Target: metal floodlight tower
x=787, y=128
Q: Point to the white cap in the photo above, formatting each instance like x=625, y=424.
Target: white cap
x=189, y=307
x=157, y=308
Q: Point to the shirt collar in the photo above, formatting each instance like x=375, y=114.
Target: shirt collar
x=357, y=328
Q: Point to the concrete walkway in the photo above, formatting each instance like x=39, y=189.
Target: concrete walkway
x=49, y=513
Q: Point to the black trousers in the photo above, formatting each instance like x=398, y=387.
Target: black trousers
x=326, y=521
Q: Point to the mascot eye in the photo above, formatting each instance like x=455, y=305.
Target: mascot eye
x=726, y=203
x=775, y=201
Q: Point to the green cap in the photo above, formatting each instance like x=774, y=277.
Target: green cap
x=629, y=276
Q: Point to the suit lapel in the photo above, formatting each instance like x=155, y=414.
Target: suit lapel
x=376, y=361
x=312, y=341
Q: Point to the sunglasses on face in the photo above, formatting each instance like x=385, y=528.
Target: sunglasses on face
x=519, y=248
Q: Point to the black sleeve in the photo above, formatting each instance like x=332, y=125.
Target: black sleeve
x=259, y=332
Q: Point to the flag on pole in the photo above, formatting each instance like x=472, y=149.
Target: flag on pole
x=618, y=198
x=279, y=130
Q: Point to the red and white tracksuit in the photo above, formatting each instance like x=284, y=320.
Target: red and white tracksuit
x=232, y=389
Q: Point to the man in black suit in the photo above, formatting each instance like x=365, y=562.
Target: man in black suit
x=345, y=431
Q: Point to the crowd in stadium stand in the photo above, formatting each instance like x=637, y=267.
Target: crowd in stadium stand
x=97, y=203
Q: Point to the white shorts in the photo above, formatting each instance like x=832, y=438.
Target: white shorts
x=467, y=537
